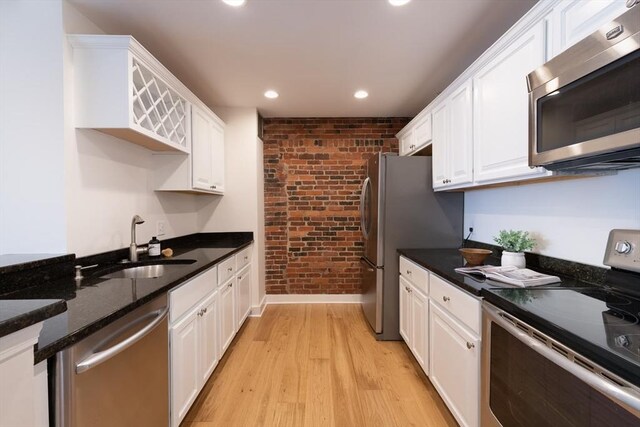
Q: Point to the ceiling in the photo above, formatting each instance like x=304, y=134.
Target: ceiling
x=315, y=53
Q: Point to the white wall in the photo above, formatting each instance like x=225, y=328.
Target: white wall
x=109, y=180
x=32, y=208
x=570, y=219
x=242, y=206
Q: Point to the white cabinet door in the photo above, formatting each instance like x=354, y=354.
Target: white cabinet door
x=461, y=135
x=201, y=149
x=406, y=143
x=184, y=366
x=208, y=337
x=420, y=328
x=423, y=131
x=227, y=314
x=405, y=310
x=244, y=294
x=500, y=110
x=440, y=142
x=455, y=365
x=574, y=20
x=217, y=159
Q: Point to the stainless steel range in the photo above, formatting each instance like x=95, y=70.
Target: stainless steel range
x=566, y=356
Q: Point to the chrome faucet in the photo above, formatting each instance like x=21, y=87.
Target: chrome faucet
x=134, y=250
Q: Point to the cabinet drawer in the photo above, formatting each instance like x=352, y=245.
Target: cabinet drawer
x=243, y=258
x=191, y=293
x=226, y=269
x=462, y=305
x=417, y=275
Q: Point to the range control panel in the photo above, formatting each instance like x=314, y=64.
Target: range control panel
x=623, y=250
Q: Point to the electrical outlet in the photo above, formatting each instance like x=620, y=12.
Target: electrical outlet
x=160, y=228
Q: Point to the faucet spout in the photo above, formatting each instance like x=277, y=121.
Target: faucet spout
x=133, y=248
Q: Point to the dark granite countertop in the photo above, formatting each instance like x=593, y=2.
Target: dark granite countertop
x=443, y=262
x=20, y=314
x=96, y=302
x=10, y=263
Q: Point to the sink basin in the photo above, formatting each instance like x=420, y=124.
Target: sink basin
x=148, y=271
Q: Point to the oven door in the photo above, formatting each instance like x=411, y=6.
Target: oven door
x=585, y=102
x=527, y=383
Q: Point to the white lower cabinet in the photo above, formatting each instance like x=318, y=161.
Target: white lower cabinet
x=193, y=340
x=455, y=365
x=184, y=366
x=243, y=290
x=23, y=386
x=208, y=336
x=405, y=309
x=227, y=313
x=420, y=328
x=441, y=325
x=414, y=312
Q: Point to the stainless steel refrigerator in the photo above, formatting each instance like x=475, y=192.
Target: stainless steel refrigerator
x=399, y=209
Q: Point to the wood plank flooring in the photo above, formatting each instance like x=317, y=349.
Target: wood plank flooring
x=316, y=365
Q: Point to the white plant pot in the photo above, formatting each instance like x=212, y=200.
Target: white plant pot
x=515, y=259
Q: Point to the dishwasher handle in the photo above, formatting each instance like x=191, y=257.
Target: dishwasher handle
x=102, y=356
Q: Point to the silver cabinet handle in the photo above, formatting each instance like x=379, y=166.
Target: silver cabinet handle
x=407, y=289
x=622, y=395
x=230, y=285
x=445, y=299
x=204, y=310
x=230, y=269
x=200, y=313
x=213, y=186
x=97, y=358
x=409, y=272
x=470, y=345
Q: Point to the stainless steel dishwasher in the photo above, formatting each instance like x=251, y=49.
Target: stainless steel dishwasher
x=118, y=376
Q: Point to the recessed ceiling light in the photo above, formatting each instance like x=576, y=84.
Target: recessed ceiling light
x=234, y=3
x=271, y=94
x=361, y=94
x=398, y=2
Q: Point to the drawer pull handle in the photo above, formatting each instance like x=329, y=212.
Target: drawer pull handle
x=239, y=277
x=230, y=285
x=470, y=345
x=407, y=288
x=445, y=299
x=230, y=269
x=204, y=310
x=246, y=258
x=409, y=272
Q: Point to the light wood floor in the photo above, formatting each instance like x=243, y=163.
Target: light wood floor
x=316, y=365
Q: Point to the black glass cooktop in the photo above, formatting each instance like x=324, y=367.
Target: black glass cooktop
x=601, y=324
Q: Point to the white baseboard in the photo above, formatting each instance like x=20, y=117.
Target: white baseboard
x=314, y=298
x=256, y=311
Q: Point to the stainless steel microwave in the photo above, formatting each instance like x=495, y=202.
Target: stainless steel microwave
x=584, y=104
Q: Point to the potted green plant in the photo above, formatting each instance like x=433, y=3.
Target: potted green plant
x=514, y=243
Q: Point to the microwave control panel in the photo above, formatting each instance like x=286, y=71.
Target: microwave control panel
x=623, y=250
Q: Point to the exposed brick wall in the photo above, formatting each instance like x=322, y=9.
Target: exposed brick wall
x=313, y=169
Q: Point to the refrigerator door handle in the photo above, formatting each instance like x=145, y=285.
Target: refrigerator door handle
x=363, y=193
x=367, y=265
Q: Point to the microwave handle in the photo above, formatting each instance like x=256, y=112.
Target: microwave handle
x=623, y=396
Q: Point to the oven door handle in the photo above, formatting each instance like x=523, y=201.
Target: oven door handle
x=626, y=397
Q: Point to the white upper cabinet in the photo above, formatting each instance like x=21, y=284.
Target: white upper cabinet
x=406, y=142
x=452, y=145
x=501, y=110
x=440, y=144
x=573, y=20
x=203, y=171
x=416, y=136
x=122, y=90
x=461, y=135
x=207, y=152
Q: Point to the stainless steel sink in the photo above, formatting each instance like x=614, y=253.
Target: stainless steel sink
x=147, y=271
x=142, y=272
